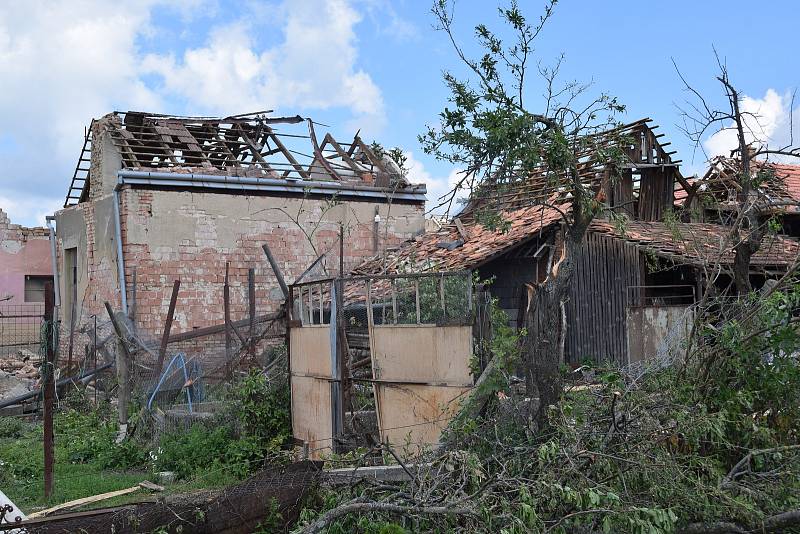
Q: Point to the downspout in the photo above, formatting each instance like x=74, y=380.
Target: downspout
x=54, y=260
x=120, y=259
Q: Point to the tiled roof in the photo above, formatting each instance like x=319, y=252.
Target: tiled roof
x=782, y=189
x=429, y=251
x=698, y=243
x=695, y=243
x=790, y=177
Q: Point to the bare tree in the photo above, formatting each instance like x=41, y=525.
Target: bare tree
x=749, y=172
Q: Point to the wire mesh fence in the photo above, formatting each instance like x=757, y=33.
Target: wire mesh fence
x=19, y=327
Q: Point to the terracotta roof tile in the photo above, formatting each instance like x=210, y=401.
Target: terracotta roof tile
x=699, y=243
x=427, y=251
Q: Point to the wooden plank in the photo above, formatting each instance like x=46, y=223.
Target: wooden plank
x=441, y=353
x=311, y=373
x=162, y=351
x=226, y=308
x=95, y=498
x=461, y=230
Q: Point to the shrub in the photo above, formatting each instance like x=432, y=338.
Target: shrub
x=11, y=427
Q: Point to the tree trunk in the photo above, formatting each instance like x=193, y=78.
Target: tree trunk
x=542, y=346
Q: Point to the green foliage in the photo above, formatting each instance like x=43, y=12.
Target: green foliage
x=12, y=427
x=262, y=408
x=488, y=127
x=255, y=428
x=199, y=449
x=273, y=522
x=753, y=373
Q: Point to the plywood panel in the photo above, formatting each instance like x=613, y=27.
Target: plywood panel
x=311, y=350
x=311, y=413
x=429, y=366
x=413, y=416
x=424, y=353
x=652, y=327
x=310, y=364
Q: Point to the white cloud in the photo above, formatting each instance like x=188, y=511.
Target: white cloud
x=30, y=210
x=315, y=66
x=437, y=186
x=769, y=124
x=63, y=62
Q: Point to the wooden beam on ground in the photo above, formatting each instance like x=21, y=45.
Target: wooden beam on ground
x=381, y=473
x=96, y=498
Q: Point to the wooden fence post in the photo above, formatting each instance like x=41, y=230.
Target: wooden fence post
x=48, y=385
x=124, y=386
x=226, y=304
x=162, y=351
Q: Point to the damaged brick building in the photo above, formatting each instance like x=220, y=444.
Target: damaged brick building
x=157, y=198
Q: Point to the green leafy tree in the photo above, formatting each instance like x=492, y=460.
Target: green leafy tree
x=499, y=136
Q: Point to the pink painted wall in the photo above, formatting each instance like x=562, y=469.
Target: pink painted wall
x=23, y=251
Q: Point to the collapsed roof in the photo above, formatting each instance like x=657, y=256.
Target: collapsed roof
x=533, y=207
x=778, y=188
x=252, y=145
x=644, y=153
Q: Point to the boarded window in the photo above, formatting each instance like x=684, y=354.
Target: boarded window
x=34, y=287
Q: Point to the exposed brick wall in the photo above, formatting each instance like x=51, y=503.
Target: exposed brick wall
x=191, y=236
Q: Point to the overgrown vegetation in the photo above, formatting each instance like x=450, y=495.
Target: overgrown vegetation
x=705, y=445
x=254, y=430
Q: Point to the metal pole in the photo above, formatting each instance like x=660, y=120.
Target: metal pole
x=120, y=256
x=54, y=259
x=47, y=388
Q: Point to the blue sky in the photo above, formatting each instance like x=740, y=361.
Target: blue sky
x=369, y=64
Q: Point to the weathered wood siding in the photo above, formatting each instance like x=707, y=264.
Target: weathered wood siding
x=596, y=322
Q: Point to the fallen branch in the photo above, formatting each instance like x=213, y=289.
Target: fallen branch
x=357, y=506
x=95, y=498
x=775, y=523
x=745, y=461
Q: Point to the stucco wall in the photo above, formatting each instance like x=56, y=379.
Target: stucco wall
x=23, y=251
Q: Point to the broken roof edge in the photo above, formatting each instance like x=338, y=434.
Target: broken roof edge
x=234, y=146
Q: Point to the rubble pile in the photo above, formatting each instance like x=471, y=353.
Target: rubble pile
x=23, y=364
